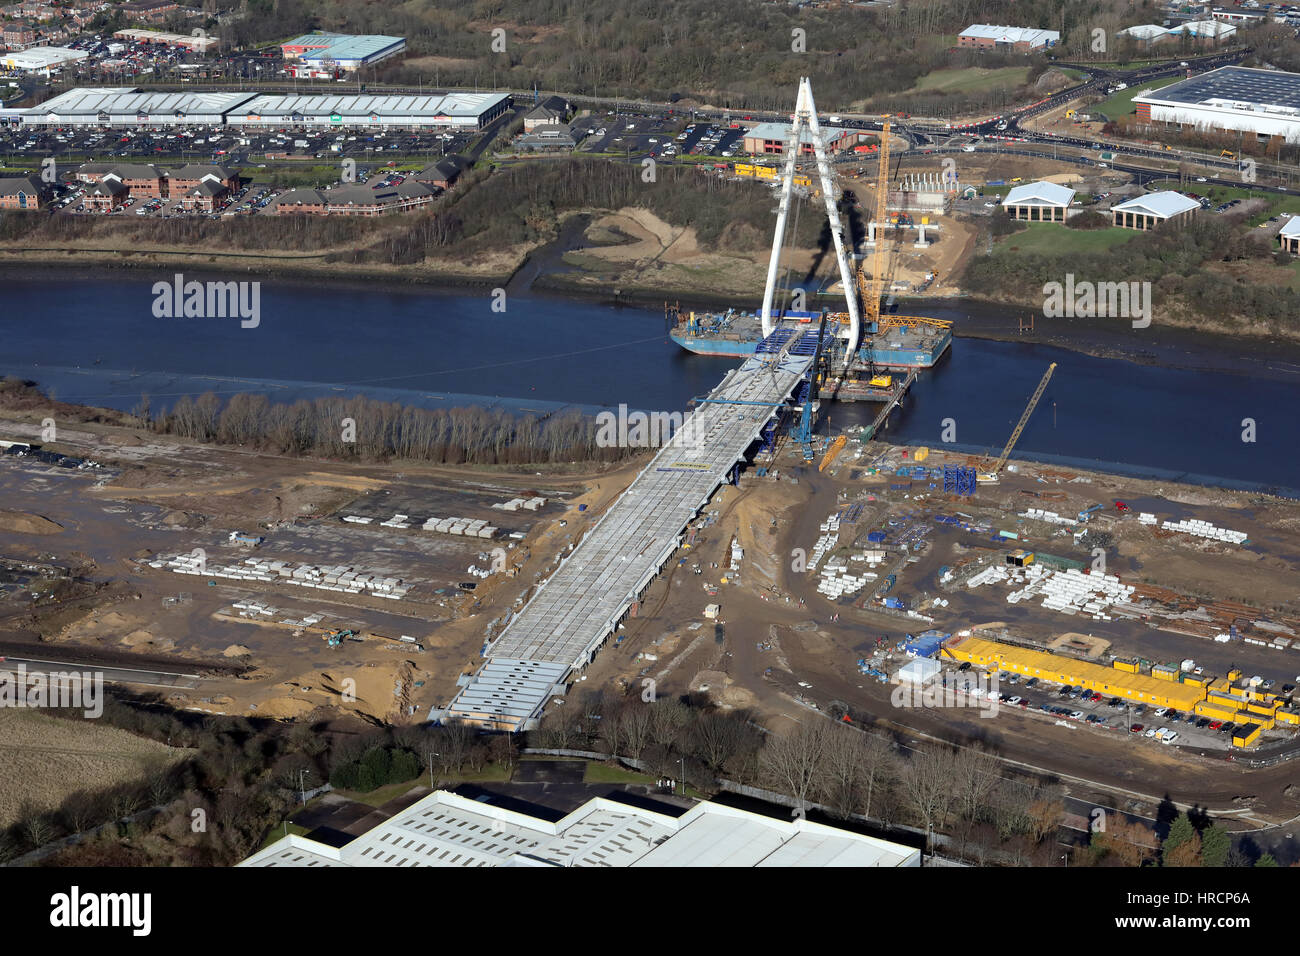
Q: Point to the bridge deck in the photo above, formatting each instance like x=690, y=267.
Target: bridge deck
x=579, y=606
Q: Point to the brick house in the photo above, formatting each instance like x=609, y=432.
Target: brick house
x=21, y=192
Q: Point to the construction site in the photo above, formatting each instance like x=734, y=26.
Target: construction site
x=759, y=560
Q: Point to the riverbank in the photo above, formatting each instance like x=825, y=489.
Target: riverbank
x=537, y=274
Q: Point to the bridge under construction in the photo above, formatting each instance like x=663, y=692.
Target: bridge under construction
x=578, y=608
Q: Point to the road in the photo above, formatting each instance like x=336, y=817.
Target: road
x=111, y=675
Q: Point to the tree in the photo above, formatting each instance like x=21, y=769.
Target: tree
x=927, y=787
x=794, y=761
x=504, y=752
x=1215, y=844
x=1266, y=860
x=842, y=770
x=1181, y=833
x=1123, y=843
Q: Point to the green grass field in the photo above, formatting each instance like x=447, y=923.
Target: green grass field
x=972, y=79
x=1055, y=238
x=1121, y=104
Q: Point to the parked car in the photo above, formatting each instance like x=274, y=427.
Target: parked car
x=1136, y=729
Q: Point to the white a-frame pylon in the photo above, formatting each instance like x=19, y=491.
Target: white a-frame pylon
x=805, y=117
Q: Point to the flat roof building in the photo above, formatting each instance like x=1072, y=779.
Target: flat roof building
x=1231, y=98
x=1039, y=202
x=447, y=829
x=986, y=36
x=1153, y=209
x=41, y=59
x=200, y=44
x=460, y=110
x=128, y=106
x=319, y=54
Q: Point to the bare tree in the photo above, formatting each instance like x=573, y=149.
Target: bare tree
x=793, y=761
x=637, y=719
x=667, y=718
x=842, y=770
x=928, y=787
x=715, y=738
x=975, y=776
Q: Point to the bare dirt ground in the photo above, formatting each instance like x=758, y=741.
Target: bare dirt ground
x=158, y=497
x=775, y=631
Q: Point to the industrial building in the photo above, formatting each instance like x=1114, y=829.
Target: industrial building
x=199, y=44
x=1263, y=103
x=447, y=829
x=1153, y=209
x=41, y=59
x=771, y=138
x=128, y=106
x=1204, y=32
x=459, y=110
x=1039, y=202
x=325, y=55
x=984, y=36
x=1229, y=698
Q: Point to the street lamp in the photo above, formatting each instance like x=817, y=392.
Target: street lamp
x=301, y=788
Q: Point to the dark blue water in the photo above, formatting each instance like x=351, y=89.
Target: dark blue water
x=96, y=341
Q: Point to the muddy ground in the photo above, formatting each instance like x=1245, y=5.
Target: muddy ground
x=775, y=648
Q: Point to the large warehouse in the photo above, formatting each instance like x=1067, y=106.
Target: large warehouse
x=324, y=54
x=1263, y=102
x=467, y=110
x=446, y=829
x=126, y=106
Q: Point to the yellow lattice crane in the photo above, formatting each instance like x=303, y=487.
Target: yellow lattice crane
x=992, y=474
x=872, y=290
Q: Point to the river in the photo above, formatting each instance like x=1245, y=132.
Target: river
x=96, y=341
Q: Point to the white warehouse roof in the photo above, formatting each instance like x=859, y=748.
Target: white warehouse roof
x=447, y=829
x=1290, y=228
x=1162, y=205
x=42, y=57
x=1041, y=193
x=430, y=107
x=987, y=31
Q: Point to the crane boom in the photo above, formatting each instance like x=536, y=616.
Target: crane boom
x=1020, y=426
x=876, y=290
